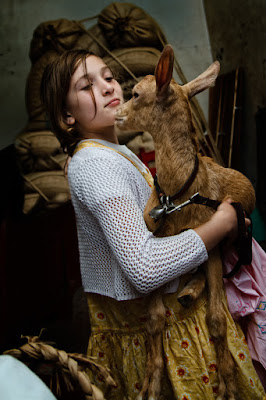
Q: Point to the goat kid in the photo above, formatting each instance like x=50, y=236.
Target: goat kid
x=160, y=106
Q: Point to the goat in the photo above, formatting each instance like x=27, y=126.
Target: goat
x=160, y=106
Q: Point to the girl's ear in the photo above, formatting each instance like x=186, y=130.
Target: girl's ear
x=69, y=119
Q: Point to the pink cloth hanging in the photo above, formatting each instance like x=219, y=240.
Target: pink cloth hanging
x=246, y=295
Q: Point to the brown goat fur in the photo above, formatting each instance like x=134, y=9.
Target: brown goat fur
x=160, y=106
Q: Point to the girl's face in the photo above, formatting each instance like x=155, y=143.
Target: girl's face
x=80, y=105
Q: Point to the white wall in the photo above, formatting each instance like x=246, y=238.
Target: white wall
x=183, y=22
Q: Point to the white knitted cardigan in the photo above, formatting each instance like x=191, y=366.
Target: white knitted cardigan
x=119, y=256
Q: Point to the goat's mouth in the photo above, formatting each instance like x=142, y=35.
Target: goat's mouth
x=120, y=120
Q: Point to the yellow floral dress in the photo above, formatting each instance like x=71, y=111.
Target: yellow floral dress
x=118, y=340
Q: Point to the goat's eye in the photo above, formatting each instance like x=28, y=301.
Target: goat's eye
x=135, y=95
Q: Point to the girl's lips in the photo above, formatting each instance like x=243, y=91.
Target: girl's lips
x=113, y=103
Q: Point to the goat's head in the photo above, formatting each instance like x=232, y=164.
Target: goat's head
x=158, y=100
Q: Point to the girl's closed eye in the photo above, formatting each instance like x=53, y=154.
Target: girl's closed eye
x=109, y=78
x=87, y=87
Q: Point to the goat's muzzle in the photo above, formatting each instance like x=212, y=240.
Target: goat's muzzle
x=120, y=119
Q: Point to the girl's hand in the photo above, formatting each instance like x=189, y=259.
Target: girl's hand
x=223, y=224
x=229, y=219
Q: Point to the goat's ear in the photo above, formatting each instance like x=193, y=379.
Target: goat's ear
x=164, y=72
x=203, y=81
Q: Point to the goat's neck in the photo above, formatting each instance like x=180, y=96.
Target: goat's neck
x=175, y=159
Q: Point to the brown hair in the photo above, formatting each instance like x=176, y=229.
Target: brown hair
x=54, y=88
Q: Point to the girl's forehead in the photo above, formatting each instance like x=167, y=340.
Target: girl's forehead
x=93, y=63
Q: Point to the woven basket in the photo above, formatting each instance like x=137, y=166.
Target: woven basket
x=126, y=25
x=65, y=373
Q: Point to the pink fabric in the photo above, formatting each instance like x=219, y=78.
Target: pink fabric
x=246, y=295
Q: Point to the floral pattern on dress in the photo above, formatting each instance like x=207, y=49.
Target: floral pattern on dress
x=118, y=341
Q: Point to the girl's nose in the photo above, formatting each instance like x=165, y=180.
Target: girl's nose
x=107, y=88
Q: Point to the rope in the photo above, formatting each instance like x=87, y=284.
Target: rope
x=88, y=19
x=36, y=188
x=72, y=366
x=109, y=52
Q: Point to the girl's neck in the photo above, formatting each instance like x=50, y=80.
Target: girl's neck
x=109, y=134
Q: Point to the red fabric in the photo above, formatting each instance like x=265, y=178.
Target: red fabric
x=146, y=158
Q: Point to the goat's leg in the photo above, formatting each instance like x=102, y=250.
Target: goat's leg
x=148, y=370
x=158, y=362
x=193, y=289
x=216, y=322
x=154, y=366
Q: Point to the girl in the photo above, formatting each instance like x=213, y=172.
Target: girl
x=121, y=261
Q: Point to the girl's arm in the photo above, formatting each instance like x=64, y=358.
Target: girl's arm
x=112, y=198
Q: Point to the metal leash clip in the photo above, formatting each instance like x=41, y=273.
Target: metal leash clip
x=167, y=207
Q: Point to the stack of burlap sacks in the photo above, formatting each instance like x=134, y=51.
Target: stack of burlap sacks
x=130, y=42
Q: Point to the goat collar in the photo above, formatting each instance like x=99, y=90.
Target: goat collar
x=184, y=188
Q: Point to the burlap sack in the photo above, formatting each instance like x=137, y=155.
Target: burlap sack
x=48, y=182
x=139, y=60
x=127, y=87
x=39, y=151
x=34, y=202
x=126, y=25
x=49, y=189
x=143, y=141
x=34, y=104
x=58, y=35
x=94, y=41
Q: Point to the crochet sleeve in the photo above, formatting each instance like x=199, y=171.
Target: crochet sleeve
x=106, y=190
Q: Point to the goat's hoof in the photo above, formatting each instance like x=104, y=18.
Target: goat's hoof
x=221, y=390
x=221, y=397
x=185, y=300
